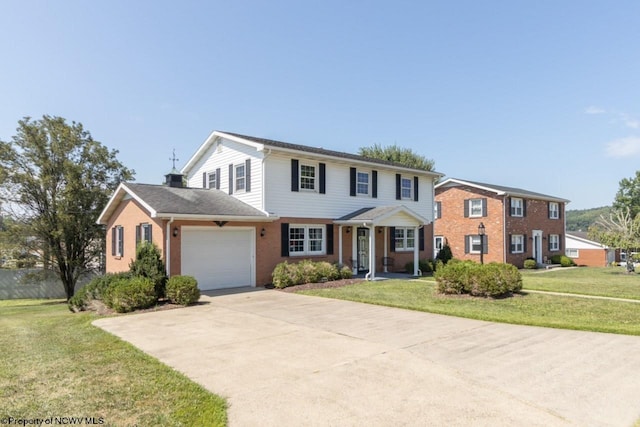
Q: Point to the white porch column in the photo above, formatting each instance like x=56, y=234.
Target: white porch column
x=354, y=250
x=416, y=250
x=340, y=245
x=372, y=253
x=384, y=264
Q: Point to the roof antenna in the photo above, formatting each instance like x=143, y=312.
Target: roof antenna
x=174, y=160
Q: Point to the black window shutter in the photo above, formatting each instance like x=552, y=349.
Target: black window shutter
x=466, y=208
x=121, y=233
x=549, y=244
x=218, y=177
x=392, y=243
x=484, y=207
x=295, y=170
x=284, y=239
x=524, y=243
x=113, y=241
x=560, y=205
x=231, y=178
x=204, y=180
x=439, y=210
x=151, y=233
x=559, y=241
x=352, y=181
x=329, y=239
x=415, y=188
x=421, y=238
x=398, y=187
x=247, y=175
x=138, y=234
x=524, y=207
x=549, y=210
x=374, y=184
x=323, y=178
x=508, y=207
x=466, y=244
x=485, y=244
x=511, y=248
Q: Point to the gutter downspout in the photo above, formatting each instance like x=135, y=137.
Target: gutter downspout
x=372, y=252
x=168, y=248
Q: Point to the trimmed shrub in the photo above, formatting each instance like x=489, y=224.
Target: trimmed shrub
x=285, y=275
x=444, y=254
x=565, y=261
x=555, y=259
x=425, y=265
x=126, y=295
x=346, y=272
x=530, y=264
x=183, y=290
x=308, y=272
x=327, y=271
x=149, y=264
x=488, y=280
x=95, y=289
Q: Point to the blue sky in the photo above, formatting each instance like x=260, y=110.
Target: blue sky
x=542, y=95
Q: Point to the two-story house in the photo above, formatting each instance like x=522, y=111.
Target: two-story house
x=517, y=224
x=250, y=203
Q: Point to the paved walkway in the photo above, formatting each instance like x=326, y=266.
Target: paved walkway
x=283, y=359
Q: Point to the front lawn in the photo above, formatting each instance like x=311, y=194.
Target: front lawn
x=526, y=309
x=56, y=364
x=605, y=281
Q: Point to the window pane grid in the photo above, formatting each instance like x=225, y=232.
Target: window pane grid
x=362, y=183
x=406, y=188
x=239, y=177
x=475, y=208
x=306, y=240
x=307, y=177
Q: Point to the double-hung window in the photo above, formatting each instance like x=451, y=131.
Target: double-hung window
x=554, y=242
x=117, y=241
x=145, y=233
x=240, y=178
x=554, y=210
x=405, y=239
x=517, y=243
x=572, y=253
x=406, y=188
x=475, y=244
x=306, y=239
x=362, y=183
x=475, y=207
x=212, y=180
x=307, y=177
x=517, y=206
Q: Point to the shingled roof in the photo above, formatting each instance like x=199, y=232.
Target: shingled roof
x=500, y=189
x=163, y=202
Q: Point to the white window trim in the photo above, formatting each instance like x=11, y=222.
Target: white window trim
x=358, y=193
x=306, y=251
x=405, y=238
x=554, y=213
x=316, y=169
x=471, y=214
x=144, y=226
x=235, y=178
x=514, y=209
x=472, y=239
x=215, y=179
x=514, y=243
x=402, y=188
x=554, y=238
x=119, y=243
x=569, y=253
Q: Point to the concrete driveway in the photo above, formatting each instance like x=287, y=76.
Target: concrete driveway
x=290, y=360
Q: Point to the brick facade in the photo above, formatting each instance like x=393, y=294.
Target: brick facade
x=456, y=228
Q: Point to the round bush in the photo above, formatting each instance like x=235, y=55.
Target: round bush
x=285, y=275
x=346, y=272
x=489, y=280
x=126, y=295
x=183, y=290
x=530, y=264
x=565, y=261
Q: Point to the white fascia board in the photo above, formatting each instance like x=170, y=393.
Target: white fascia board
x=470, y=184
x=196, y=156
x=586, y=241
x=500, y=192
x=236, y=218
x=406, y=210
x=116, y=198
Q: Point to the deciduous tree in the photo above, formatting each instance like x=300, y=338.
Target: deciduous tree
x=396, y=154
x=628, y=195
x=60, y=178
x=618, y=230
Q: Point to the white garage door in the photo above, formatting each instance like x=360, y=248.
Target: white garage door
x=218, y=258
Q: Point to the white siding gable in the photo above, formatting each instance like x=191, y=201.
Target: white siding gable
x=220, y=155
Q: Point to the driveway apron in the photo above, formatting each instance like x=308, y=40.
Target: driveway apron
x=283, y=359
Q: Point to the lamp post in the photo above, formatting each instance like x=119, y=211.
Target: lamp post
x=481, y=234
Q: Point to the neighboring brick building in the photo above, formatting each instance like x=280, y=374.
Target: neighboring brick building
x=518, y=224
x=585, y=251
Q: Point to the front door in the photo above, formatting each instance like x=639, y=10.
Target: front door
x=438, y=242
x=537, y=246
x=363, y=249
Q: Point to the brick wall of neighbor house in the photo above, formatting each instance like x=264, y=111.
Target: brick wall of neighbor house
x=128, y=215
x=537, y=218
x=453, y=225
x=592, y=257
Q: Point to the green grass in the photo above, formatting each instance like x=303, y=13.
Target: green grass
x=526, y=309
x=56, y=364
x=605, y=281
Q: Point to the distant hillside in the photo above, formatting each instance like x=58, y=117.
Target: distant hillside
x=581, y=219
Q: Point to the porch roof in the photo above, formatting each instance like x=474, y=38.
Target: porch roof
x=383, y=215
